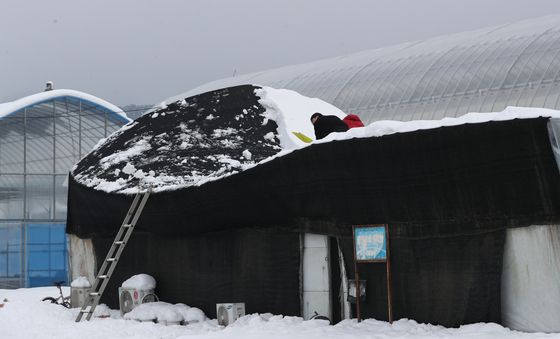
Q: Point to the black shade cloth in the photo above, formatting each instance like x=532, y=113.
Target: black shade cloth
x=450, y=281
x=201, y=137
x=435, y=182
x=257, y=267
x=448, y=194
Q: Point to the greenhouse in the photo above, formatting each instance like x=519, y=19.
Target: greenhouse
x=462, y=201
x=41, y=137
x=235, y=214
x=478, y=71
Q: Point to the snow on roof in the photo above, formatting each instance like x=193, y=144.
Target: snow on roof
x=195, y=141
x=14, y=106
x=386, y=127
x=292, y=111
x=186, y=143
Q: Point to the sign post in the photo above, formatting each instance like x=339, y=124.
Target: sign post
x=371, y=245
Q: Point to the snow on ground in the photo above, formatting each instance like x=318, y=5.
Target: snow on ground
x=24, y=316
x=167, y=313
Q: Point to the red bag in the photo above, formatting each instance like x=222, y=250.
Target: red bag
x=352, y=120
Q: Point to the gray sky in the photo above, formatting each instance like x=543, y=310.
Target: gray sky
x=142, y=52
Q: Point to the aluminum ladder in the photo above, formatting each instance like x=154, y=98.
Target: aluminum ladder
x=114, y=254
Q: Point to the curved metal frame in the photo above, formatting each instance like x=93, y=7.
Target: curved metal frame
x=388, y=84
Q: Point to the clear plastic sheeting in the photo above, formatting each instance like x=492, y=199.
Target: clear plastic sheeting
x=484, y=70
x=530, y=279
x=81, y=258
x=554, y=133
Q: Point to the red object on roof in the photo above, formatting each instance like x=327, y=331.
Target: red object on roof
x=352, y=120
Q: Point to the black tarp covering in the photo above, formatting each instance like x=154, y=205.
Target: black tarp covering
x=255, y=266
x=448, y=194
x=199, y=138
x=439, y=181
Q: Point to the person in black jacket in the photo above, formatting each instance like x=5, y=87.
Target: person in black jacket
x=326, y=124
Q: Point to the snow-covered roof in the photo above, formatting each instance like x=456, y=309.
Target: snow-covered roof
x=386, y=127
x=207, y=137
x=14, y=106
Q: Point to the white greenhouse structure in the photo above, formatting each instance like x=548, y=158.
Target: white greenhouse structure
x=41, y=137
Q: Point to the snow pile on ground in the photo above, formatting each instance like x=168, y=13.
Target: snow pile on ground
x=24, y=316
x=167, y=313
x=142, y=282
x=80, y=282
x=217, y=134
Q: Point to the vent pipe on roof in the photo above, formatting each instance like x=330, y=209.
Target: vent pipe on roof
x=49, y=86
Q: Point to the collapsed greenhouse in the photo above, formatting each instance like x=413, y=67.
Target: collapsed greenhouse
x=243, y=213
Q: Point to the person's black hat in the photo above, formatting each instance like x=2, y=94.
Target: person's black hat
x=316, y=114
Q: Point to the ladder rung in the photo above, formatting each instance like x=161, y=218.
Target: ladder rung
x=127, y=225
x=93, y=294
x=104, y=276
x=120, y=242
x=84, y=311
x=111, y=259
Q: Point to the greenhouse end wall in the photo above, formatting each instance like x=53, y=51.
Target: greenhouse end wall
x=39, y=143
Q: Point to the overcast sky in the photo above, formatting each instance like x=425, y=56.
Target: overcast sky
x=142, y=52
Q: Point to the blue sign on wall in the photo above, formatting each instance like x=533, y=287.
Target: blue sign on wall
x=370, y=243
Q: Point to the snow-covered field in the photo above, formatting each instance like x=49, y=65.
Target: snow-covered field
x=24, y=316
